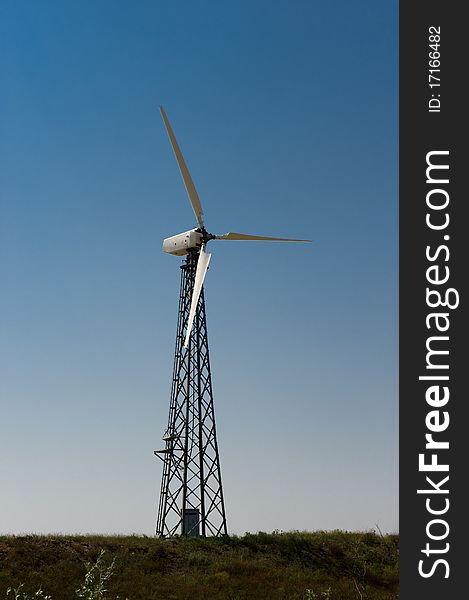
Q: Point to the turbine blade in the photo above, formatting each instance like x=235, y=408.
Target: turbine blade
x=190, y=187
x=245, y=237
x=202, y=266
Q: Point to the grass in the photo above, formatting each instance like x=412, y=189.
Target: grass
x=321, y=565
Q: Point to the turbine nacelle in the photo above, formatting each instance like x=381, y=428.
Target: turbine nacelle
x=183, y=243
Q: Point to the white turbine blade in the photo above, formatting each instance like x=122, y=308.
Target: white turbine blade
x=190, y=187
x=245, y=237
x=202, y=266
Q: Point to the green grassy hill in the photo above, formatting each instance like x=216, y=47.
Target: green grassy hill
x=278, y=566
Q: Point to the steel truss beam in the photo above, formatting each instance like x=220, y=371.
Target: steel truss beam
x=191, y=498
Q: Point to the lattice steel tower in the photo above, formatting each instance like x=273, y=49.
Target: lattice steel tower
x=191, y=497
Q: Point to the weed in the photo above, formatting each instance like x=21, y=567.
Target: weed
x=311, y=594
x=197, y=559
x=97, y=575
x=18, y=595
x=93, y=588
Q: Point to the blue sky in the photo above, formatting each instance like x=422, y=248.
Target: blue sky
x=286, y=113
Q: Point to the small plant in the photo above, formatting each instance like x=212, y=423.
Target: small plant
x=310, y=594
x=93, y=588
x=197, y=559
x=18, y=595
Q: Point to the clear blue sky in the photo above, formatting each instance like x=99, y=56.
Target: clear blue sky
x=286, y=113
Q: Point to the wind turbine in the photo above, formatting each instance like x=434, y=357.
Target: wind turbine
x=191, y=497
